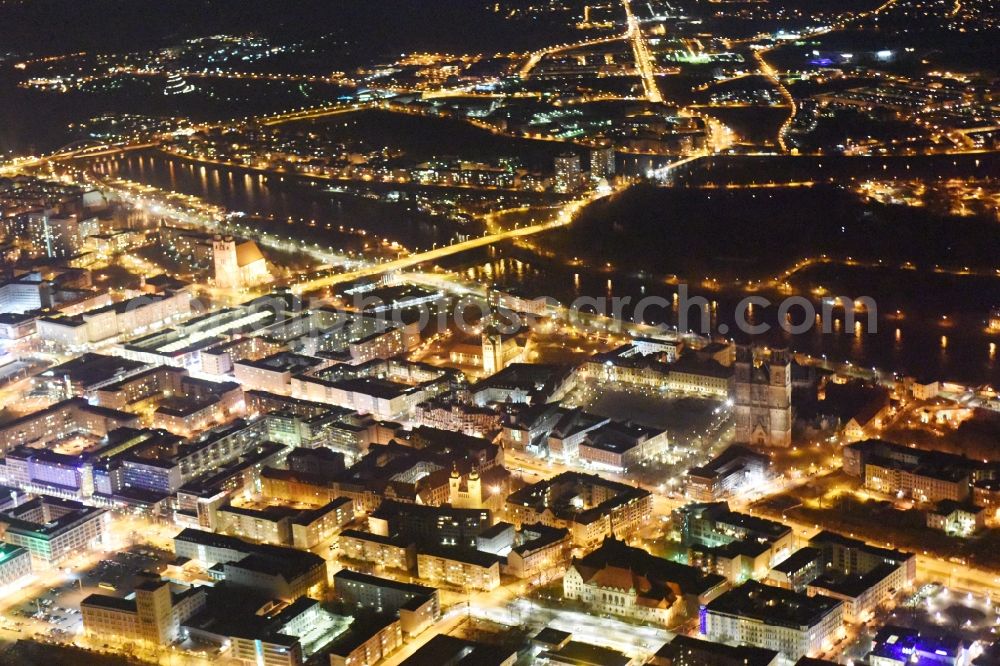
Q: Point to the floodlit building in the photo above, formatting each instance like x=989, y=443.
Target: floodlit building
x=237, y=263
x=774, y=619
x=735, y=470
x=763, y=396
x=900, y=646
x=152, y=614
x=389, y=552
x=629, y=582
x=459, y=567
x=956, y=518
x=53, y=530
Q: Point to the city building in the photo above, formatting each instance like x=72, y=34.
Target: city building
x=516, y=300
x=687, y=651
x=797, y=570
x=590, y=507
x=620, y=447
x=962, y=519
x=462, y=568
x=852, y=557
x=64, y=419
x=735, y=470
x=762, y=396
x=575, y=653
x=237, y=263
x=537, y=550
x=25, y=294
x=898, y=646
x=714, y=524
x=736, y=561
x=367, y=642
x=52, y=530
x=275, y=571
x=774, y=618
x=629, y=582
x=862, y=594
x=499, y=351
x=450, y=414
x=387, y=389
x=15, y=564
x=311, y=527
x=389, y=552
x=869, y=419
x=115, y=322
x=286, y=526
x=568, y=176
x=602, y=162
x=60, y=236
x=445, y=649
x=274, y=373
x=430, y=525
x=926, y=476
x=418, y=606
x=161, y=466
x=524, y=383
x=986, y=493
x=694, y=373
x=153, y=614
x=251, y=629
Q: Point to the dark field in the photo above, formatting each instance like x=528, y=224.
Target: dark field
x=756, y=233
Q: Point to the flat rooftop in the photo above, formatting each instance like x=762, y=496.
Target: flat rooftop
x=773, y=605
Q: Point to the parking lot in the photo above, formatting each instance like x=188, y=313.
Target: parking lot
x=55, y=612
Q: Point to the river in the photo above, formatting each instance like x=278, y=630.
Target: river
x=940, y=331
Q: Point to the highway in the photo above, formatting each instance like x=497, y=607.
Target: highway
x=643, y=59
x=772, y=75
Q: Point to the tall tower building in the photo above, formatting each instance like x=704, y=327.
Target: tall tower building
x=567, y=177
x=763, y=396
x=602, y=162
x=468, y=497
x=493, y=361
x=454, y=483
x=475, y=486
x=56, y=236
x=154, y=606
x=227, y=268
